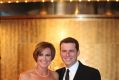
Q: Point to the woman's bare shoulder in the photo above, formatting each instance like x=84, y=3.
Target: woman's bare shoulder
x=55, y=75
x=25, y=75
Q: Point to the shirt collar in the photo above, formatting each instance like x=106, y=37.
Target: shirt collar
x=74, y=67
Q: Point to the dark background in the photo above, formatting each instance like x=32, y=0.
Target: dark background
x=51, y=8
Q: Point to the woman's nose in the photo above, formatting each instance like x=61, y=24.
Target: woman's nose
x=44, y=57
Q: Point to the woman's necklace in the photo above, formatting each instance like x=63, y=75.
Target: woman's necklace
x=42, y=75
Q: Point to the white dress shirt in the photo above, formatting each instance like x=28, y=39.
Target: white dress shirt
x=72, y=71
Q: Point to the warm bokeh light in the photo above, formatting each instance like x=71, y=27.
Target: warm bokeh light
x=1, y=2
x=80, y=0
x=17, y=1
x=6, y=1
x=9, y=1
x=77, y=10
x=117, y=0
x=26, y=1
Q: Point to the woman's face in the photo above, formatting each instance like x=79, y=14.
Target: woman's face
x=44, y=59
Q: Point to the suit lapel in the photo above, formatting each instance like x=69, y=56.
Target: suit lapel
x=77, y=75
x=62, y=73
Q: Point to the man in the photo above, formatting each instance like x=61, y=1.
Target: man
x=74, y=70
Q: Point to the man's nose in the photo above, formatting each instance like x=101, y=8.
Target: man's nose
x=68, y=53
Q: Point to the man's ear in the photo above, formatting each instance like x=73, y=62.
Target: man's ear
x=78, y=53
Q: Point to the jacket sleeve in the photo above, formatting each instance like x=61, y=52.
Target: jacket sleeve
x=97, y=75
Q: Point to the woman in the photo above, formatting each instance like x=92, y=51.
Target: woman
x=43, y=55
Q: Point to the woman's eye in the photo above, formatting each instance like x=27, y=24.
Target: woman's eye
x=40, y=54
x=48, y=55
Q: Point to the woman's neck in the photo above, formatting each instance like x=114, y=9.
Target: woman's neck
x=43, y=72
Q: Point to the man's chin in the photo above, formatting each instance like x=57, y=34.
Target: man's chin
x=67, y=61
x=67, y=64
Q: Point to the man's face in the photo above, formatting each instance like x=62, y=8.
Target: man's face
x=68, y=53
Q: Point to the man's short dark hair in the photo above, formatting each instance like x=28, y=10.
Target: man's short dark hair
x=70, y=40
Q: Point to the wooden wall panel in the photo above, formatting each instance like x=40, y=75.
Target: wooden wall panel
x=99, y=44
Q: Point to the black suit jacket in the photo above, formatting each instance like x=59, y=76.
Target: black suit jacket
x=83, y=73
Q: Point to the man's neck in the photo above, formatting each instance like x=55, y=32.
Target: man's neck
x=68, y=66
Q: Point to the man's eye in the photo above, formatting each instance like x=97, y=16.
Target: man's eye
x=63, y=51
x=71, y=50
